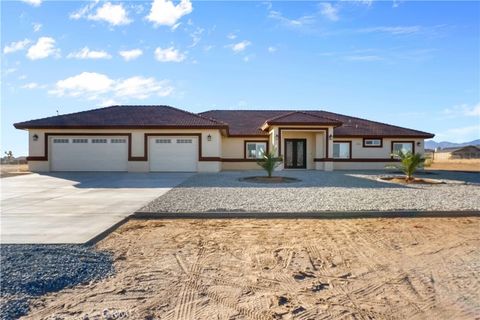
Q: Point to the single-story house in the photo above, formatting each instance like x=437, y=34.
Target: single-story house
x=163, y=138
x=466, y=152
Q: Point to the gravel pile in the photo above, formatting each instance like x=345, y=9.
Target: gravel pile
x=29, y=271
x=318, y=191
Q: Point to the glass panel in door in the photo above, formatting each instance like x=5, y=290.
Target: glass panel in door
x=300, y=154
x=289, y=154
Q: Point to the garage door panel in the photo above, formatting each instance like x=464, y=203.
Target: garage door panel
x=173, y=153
x=89, y=153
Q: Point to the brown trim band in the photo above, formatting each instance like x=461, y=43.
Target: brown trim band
x=385, y=136
x=355, y=160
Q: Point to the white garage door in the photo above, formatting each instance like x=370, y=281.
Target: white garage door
x=173, y=153
x=89, y=153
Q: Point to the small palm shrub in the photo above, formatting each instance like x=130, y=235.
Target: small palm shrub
x=269, y=161
x=409, y=163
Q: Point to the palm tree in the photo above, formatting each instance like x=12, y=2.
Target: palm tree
x=409, y=163
x=269, y=161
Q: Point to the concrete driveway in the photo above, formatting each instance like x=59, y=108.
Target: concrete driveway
x=75, y=207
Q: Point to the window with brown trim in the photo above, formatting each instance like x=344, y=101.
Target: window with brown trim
x=255, y=150
x=403, y=146
x=342, y=150
x=372, y=143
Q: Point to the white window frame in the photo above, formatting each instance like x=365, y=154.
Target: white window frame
x=340, y=156
x=259, y=145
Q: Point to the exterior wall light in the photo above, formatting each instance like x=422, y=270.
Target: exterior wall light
x=209, y=137
x=35, y=137
x=330, y=136
x=419, y=143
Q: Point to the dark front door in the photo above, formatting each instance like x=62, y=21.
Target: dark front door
x=295, y=153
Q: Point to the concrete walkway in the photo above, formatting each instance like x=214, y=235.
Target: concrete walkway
x=74, y=207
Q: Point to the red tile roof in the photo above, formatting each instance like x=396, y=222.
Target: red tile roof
x=301, y=117
x=249, y=122
x=238, y=122
x=126, y=117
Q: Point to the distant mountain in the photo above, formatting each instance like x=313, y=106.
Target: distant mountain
x=445, y=144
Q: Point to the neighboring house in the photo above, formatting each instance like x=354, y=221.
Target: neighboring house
x=468, y=152
x=163, y=138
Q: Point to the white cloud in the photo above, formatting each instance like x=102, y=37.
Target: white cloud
x=463, y=110
x=16, y=46
x=293, y=23
x=130, y=54
x=44, y=48
x=248, y=58
x=114, y=14
x=83, y=12
x=397, y=30
x=240, y=46
x=34, y=3
x=85, y=83
x=231, y=36
x=142, y=88
x=461, y=134
x=272, y=49
x=363, y=58
x=97, y=86
x=169, y=55
x=165, y=13
x=33, y=85
x=37, y=27
x=196, y=36
x=86, y=53
x=329, y=11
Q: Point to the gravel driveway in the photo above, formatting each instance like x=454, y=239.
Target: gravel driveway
x=318, y=191
x=29, y=271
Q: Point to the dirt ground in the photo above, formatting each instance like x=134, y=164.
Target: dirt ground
x=417, y=268
x=466, y=165
x=10, y=170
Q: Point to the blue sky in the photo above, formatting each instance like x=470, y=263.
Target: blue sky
x=413, y=64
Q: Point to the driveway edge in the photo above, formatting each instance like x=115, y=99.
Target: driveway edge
x=305, y=215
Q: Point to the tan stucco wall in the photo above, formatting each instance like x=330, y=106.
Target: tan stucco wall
x=240, y=166
x=234, y=148
x=358, y=151
x=211, y=148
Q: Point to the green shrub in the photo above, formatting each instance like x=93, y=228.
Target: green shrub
x=269, y=161
x=409, y=163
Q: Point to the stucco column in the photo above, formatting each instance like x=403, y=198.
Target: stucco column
x=319, y=150
x=274, y=144
x=328, y=165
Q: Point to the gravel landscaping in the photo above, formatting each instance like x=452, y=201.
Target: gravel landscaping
x=30, y=271
x=319, y=191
